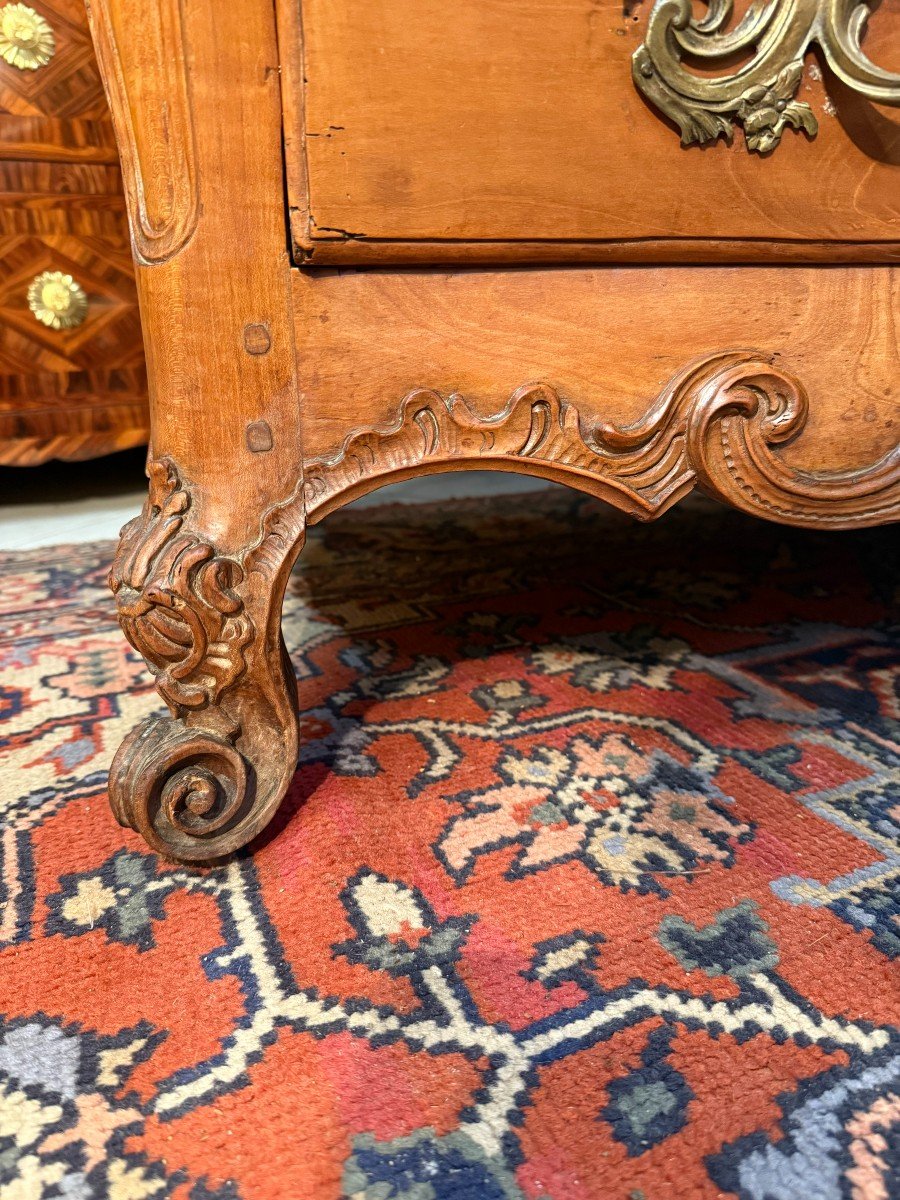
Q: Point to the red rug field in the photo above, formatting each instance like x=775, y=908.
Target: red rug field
x=586, y=887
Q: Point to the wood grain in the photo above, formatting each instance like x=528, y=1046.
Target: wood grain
x=606, y=340
x=718, y=425
x=368, y=252
x=200, y=574
x=109, y=336
x=64, y=198
x=79, y=392
x=514, y=133
x=220, y=262
x=158, y=154
x=86, y=416
x=274, y=388
x=75, y=393
x=57, y=113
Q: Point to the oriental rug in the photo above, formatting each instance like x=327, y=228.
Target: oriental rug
x=586, y=887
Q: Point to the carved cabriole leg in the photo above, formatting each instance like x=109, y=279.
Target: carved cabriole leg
x=194, y=91
x=201, y=782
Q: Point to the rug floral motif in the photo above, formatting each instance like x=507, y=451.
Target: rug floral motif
x=587, y=886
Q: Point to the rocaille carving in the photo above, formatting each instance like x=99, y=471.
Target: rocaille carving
x=177, y=599
x=760, y=94
x=717, y=425
x=200, y=782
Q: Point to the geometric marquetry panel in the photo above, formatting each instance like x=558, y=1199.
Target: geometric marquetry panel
x=91, y=414
x=70, y=393
x=82, y=391
x=110, y=332
x=69, y=84
x=58, y=110
x=84, y=199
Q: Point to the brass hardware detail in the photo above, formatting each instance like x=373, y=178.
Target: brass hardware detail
x=57, y=300
x=26, y=39
x=760, y=94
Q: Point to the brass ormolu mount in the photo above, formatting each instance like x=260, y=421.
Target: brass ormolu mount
x=759, y=95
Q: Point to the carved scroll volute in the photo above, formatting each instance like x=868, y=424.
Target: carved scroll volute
x=201, y=782
x=158, y=152
x=742, y=416
x=760, y=95
x=722, y=423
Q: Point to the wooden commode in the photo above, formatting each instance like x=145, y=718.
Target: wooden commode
x=638, y=250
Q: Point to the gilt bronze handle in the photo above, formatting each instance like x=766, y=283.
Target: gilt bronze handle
x=760, y=95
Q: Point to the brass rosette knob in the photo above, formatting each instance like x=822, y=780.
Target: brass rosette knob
x=57, y=300
x=26, y=39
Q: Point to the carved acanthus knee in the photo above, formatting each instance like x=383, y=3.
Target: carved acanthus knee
x=201, y=782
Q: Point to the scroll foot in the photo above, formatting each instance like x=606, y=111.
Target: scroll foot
x=202, y=781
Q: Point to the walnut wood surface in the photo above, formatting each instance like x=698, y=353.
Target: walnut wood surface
x=431, y=132
x=606, y=340
x=278, y=394
x=162, y=188
x=200, y=574
x=718, y=425
x=369, y=252
x=530, y=371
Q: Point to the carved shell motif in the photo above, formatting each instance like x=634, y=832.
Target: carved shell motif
x=177, y=601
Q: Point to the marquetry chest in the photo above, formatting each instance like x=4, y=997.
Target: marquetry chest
x=72, y=379
x=639, y=250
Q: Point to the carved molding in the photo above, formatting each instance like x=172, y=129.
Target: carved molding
x=760, y=94
x=158, y=152
x=718, y=425
x=201, y=782
x=177, y=599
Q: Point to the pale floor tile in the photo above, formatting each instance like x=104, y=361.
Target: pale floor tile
x=85, y=502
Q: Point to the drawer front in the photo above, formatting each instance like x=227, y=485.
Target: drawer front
x=72, y=377
x=52, y=104
x=424, y=131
